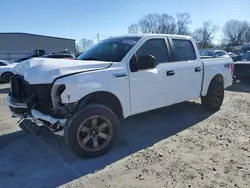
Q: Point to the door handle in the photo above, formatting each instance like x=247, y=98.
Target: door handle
x=170, y=73
x=197, y=69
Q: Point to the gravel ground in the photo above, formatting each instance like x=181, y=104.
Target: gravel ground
x=178, y=146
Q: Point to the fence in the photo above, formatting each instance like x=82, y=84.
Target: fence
x=13, y=56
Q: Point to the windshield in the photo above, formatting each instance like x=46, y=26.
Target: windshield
x=246, y=57
x=113, y=49
x=207, y=53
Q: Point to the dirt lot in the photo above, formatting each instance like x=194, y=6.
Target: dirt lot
x=178, y=146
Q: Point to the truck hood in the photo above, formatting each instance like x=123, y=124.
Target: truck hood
x=46, y=70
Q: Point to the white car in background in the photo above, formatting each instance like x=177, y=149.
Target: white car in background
x=6, y=69
x=213, y=54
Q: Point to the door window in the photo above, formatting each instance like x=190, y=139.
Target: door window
x=183, y=50
x=156, y=48
x=222, y=53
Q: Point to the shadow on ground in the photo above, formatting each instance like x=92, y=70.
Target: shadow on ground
x=30, y=161
x=240, y=87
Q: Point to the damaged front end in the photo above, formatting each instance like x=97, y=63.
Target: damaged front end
x=40, y=103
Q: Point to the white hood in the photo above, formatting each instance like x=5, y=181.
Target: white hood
x=45, y=70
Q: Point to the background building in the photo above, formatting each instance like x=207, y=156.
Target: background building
x=17, y=45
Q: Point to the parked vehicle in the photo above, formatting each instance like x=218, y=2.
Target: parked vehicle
x=85, y=99
x=235, y=57
x=6, y=69
x=242, y=68
x=58, y=55
x=244, y=48
x=213, y=54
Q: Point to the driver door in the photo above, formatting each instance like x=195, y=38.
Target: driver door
x=148, y=87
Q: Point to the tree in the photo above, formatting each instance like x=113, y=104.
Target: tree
x=149, y=23
x=183, y=20
x=85, y=44
x=236, y=32
x=166, y=24
x=134, y=29
x=247, y=37
x=77, y=47
x=205, y=34
x=157, y=23
x=162, y=23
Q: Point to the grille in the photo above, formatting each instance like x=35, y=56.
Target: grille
x=41, y=93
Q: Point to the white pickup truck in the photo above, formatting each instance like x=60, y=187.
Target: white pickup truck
x=85, y=99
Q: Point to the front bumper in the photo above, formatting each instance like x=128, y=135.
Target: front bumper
x=20, y=110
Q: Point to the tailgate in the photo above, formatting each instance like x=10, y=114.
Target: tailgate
x=241, y=69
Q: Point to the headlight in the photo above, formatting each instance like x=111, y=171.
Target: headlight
x=56, y=92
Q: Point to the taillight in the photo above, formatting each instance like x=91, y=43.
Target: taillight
x=232, y=68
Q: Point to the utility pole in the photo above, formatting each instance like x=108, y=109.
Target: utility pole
x=71, y=31
x=98, y=39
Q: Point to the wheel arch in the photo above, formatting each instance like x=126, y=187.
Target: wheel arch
x=105, y=98
x=217, y=77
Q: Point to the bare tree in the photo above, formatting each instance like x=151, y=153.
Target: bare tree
x=236, y=32
x=85, y=44
x=162, y=23
x=149, y=23
x=183, y=20
x=166, y=24
x=77, y=47
x=134, y=29
x=247, y=36
x=205, y=34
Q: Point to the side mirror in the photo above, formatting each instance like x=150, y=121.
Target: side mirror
x=145, y=62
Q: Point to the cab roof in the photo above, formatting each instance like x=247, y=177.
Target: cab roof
x=154, y=35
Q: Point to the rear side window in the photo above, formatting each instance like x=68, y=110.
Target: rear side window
x=183, y=50
x=156, y=48
x=222, y=53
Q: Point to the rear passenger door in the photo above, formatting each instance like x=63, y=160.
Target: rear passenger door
x=187, y=70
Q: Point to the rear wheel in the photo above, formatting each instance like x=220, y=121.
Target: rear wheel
x=92, y=131
x=215, y=95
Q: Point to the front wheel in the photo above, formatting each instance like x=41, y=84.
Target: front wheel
x=92, y=131
x=215, y=95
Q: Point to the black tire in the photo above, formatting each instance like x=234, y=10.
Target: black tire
x=234, y=80
x=213, y=101
x=6, y=77
x=73, y=124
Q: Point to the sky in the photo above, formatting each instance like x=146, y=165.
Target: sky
x=85, y=18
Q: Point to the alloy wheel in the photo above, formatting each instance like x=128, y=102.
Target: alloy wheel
x=94, y=133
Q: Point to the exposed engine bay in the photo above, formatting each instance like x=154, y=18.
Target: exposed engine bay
x=39, y=102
